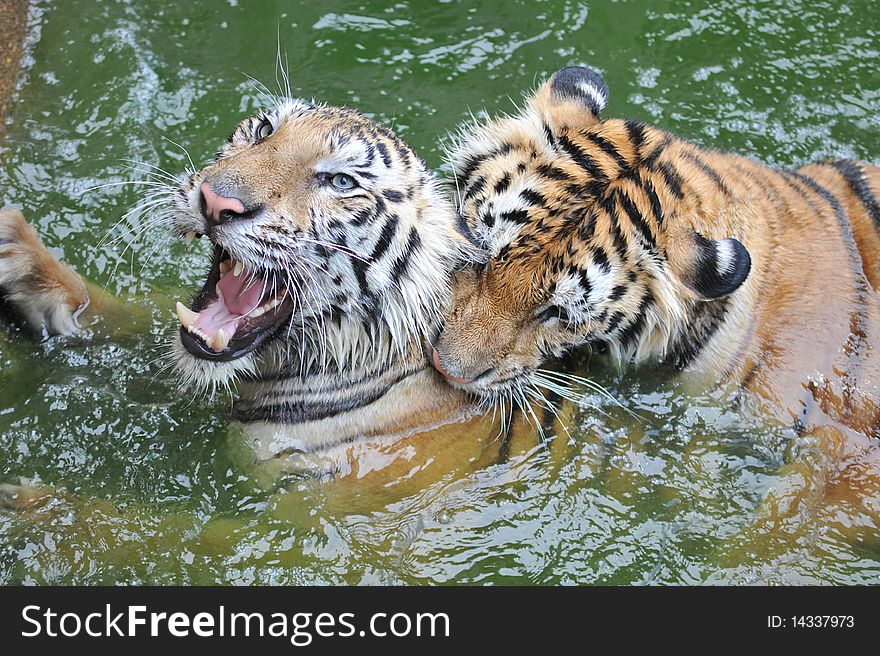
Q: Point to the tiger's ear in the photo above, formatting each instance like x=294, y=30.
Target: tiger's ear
x=572, y=97
x=711, y=268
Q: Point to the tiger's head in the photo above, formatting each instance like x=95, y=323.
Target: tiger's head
x=318, y=217
x=580, y=242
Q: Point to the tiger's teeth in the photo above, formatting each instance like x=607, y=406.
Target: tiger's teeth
x=189, y=237
x=225, y=266
x=187, y=317
x=236, y=271
x=262, y=309
x=221, y=340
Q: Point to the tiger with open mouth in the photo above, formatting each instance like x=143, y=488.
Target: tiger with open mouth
x=332, y=250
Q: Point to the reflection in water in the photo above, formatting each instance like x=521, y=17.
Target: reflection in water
x=673, y=496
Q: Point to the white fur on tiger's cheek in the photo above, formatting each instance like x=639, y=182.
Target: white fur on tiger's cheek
x=601, y=284
x=568, y=291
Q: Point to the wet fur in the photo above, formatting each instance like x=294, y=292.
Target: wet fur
x=614, y=233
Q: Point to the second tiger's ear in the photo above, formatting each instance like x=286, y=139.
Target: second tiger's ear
x=571, y=98
x=712, y=268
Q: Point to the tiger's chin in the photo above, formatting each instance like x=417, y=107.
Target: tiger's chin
x=209, y=376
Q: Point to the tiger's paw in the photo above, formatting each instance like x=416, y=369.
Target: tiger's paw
x=46, y=292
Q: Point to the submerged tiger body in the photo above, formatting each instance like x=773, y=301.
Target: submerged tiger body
x=618, y=235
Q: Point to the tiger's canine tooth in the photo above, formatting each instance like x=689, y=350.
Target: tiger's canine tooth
x=256, y=312
x=236, y=271
x=189, y=237
x=224, y=267
x=187, y=317
x=221, y=340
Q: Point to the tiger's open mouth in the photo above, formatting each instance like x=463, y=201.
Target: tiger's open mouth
x=235, y=312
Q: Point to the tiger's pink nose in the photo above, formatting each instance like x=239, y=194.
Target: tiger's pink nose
x=438, y=365
x=219, y=209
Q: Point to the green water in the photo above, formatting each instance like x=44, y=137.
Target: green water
x=664, y=499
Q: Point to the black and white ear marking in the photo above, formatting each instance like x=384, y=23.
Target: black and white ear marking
x=721, y=266
x=583, y=85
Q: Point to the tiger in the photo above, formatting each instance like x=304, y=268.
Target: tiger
x=618, y=237
x=332, y=249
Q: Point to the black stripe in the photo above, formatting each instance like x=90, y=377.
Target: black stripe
x=336, y=385
x=587, y=229
x=371, y=149
x=636, y=218
x=299, y=412
x=608, y=148
x=651, y=160
x=615, y=320
x=385, y=238
x=636, y=133
x=656, y=207
x=704, y=321
x=707, y=170
x=463, y=228
x=633, y=332
x=555, y=312
x=359, y=267
x=502, y=185
x=472, y=163
x=413, y=243
x=515, y=216
x=533, y=197
x=600, y=259
x=672, y=179
x=548, y=134
x=386, y=156
x=586, y=285
x=855, y=178
x=610, y=208
x=552, y=172
x=401, y=151
x=839, y=213
x=581, y=158
x=474, y=189
x=362, y=216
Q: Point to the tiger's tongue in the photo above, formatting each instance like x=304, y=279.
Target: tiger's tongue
x=237, y=296
x=241, y=293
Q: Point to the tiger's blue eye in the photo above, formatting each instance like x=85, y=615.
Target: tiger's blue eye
x=343, y=182
x=265, y=129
